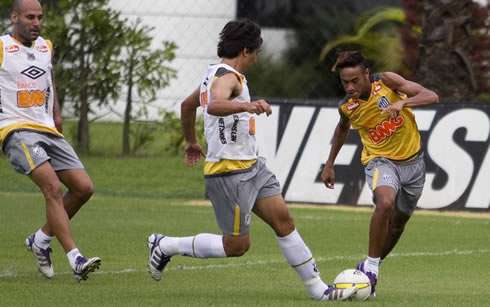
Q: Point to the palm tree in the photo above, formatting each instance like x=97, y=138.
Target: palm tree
x=376, y=37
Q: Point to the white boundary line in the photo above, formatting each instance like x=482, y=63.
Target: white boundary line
x=366, y=208
x=10, y=272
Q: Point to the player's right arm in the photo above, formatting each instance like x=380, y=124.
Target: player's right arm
x=223, y=90
x=341, y=132
x=193, y=151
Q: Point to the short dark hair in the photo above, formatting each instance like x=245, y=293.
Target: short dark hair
x=236, y=35
x=350, y=59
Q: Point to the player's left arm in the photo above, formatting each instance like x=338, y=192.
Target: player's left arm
x=58, y=120
x=416, y=93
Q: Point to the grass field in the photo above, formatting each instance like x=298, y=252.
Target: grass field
x=440, y=261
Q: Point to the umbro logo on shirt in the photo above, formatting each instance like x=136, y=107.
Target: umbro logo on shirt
x=33, y=72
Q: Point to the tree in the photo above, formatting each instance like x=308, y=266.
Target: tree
x=382, y=46
x=312, y=24
x=89, y=36
x=143, y=69
x=453, y=54
x=56, y=29
x=5, y=8
x=299, y=73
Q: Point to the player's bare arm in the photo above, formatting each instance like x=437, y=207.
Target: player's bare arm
x=193, y=150
x=226, y=88
x=341, y=132
x=58, y=120
x=417, y=94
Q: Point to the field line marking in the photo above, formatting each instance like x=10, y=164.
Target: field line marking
x=10, y=272
x=363, y=208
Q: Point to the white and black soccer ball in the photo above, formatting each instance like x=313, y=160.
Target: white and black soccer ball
x=354, y=278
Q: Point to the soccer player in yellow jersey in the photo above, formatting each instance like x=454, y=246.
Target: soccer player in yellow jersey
x=30, y=136
x=237, y=181
x=378, y=107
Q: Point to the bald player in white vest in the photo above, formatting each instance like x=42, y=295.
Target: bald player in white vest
x=30, y=136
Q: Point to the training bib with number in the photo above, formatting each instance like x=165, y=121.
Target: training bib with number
x=26, y=88
x=229, y=137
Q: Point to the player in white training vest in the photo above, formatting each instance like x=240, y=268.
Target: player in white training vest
x=237, y=181
x=30, y=136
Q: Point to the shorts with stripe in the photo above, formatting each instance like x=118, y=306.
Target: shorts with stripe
x=233, y=196
x=27, y=149
x=406, y=178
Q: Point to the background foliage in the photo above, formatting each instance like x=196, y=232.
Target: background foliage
x=91, y=40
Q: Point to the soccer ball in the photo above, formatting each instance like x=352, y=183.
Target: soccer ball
x=354, y=278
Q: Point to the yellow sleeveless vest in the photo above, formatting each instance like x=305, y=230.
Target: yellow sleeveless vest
x=395, y=139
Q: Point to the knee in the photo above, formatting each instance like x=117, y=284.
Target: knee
x=285, y=226
x=84, y=191
x=236, y=248
x=384, y=205
x=52, y=190
x=88, y=190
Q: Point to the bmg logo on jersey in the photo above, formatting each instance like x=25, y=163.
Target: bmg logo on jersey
x=383, y=102
x=385, y=129
x=31, y=98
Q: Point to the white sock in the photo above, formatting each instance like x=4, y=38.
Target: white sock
x=170, y=245
x=42, y=240
x=203, y=245
x=72, y=256
x=298, y=255
x=372, y=265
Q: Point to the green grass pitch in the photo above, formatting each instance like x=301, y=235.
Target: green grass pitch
x=440, y=261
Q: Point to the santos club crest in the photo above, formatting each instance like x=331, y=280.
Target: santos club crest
x=383, y=102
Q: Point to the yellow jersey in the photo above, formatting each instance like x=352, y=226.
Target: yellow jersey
x=395, y=139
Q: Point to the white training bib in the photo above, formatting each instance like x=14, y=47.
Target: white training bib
x=26, y=88
x=229, y=137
